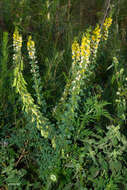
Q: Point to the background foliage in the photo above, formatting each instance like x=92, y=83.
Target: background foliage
x=89, y=150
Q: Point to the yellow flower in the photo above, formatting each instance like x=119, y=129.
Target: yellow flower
x=28, y=44
x=97, y=32
x=95, y=39
x=106, y=25
x=108, y=22
x=75, y=51
x=17, y=41
x=31, y=48
x=85, y=48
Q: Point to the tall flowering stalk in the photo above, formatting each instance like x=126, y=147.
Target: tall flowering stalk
x=35, y=73
x=31, y=48
x=17, y=59
x=19, y=83
x=99, y=34
x=80, y=61
x=75, y=51
x=95, y=40
x=85, y=49
x=60, y=107
x=105, y=29
x=80, y=66
x=83, y=64
x=17, y=45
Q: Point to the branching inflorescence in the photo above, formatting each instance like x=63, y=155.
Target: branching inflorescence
x=83, y=56
x=82, y=60
x=19, y=83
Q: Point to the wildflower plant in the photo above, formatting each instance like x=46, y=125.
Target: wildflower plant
x=76, y=140
x=60, y=127
x=35, y=73
x=19, y=83
x=83, y=64
x=81, y=71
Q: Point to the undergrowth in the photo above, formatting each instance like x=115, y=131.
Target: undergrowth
x=68, y=137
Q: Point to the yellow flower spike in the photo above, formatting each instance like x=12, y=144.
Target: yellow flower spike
x=17, y=43
x=85, y=48
x=75, y=51
x=31, y=48
x=106, y=25
x=95, y=39
x=108, y=22
x=97, y=32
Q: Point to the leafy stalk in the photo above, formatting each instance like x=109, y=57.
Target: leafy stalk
x=19, y=83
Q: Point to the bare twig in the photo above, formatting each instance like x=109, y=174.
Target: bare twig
x=23, y=153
